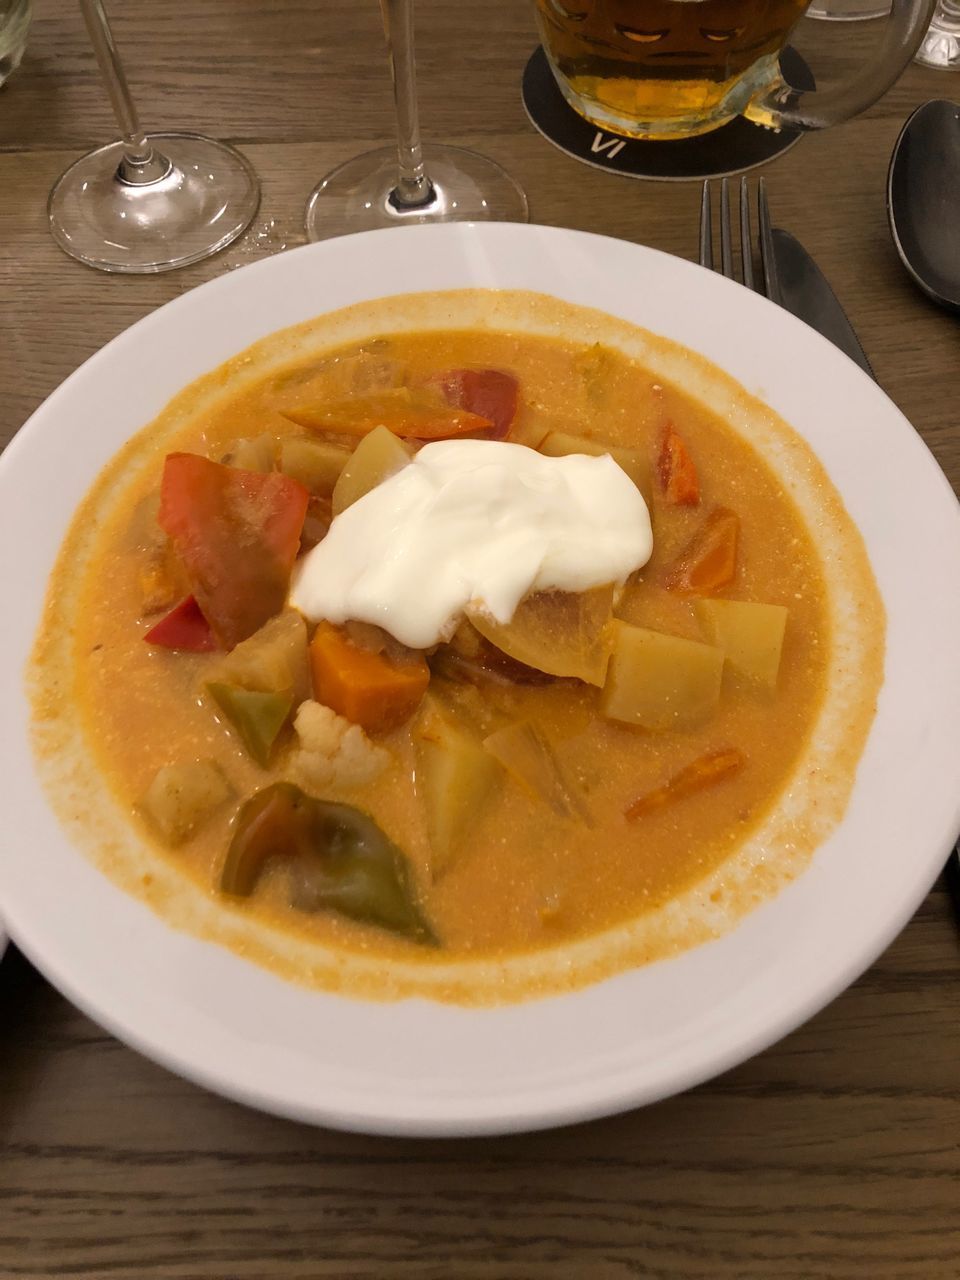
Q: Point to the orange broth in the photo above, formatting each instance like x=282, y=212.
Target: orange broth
x=526, y=877
x=523, y=878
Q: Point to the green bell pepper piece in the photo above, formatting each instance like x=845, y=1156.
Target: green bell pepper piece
x=257, y=717
x=339, y=857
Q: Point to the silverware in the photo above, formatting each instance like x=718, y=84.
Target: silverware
x=790, y=276
x=793, y=280
x=806, y=293
x=923, y=200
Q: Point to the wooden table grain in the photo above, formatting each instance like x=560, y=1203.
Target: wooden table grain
x=835, y=1154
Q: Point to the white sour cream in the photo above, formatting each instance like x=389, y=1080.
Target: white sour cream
x=478, y=523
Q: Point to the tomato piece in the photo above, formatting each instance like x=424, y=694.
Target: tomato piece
x=237, y=534
x=184, y=627
x=709, y=561
x=676, y=470
x=316, y=524
x=411, y=414
x=489, y=393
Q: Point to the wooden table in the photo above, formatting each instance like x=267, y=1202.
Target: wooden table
x=836, y=1154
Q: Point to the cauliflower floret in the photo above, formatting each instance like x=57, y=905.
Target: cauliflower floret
x=333, y=752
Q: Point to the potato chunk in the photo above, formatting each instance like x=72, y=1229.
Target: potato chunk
x=454, y=778
x=161, y=581
x=377, y=457
x=254, y=453
x=659, y=681
x=272, y=660
x=317, y=464
x=182, y=796
x=750, y=635
x=559, y=632
x=558, y=444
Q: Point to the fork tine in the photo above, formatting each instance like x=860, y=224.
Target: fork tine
x=746, y=247
x=726, y=247
x=770, y=280
x=706, y=229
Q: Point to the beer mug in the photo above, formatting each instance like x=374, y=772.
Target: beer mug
x=675, y=68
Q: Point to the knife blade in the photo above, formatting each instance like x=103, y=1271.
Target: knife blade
x=802, y=289
x=806, y=293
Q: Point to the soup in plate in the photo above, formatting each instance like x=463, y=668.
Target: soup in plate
x=473, y=646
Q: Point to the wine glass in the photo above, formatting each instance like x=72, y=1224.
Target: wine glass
x=148, y=202
x=848, y=10
x=411, y=182
x=941, y=45
x=14, y=24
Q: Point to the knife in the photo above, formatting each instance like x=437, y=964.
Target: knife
x=805, y=292
x=799, y=286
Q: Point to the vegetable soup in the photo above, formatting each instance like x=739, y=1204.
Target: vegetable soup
x=295, y=660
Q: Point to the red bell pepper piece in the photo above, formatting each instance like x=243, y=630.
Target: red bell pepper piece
x=184, y=627
x=489, y=393
x=237, y=533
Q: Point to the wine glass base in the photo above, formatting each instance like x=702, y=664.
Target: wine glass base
x=208, y=198
x=848, y=10
x=467, y=187
x=940, y=47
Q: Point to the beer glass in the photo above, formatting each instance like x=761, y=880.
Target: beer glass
x=676, y=68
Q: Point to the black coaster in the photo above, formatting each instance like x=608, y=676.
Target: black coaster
x=733, y=148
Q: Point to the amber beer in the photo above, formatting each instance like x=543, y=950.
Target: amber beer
x=663, y=68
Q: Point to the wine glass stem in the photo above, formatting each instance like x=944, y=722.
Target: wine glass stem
x=413, y=187
x=140, y=164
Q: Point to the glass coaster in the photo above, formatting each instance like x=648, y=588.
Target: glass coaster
x=733, y=148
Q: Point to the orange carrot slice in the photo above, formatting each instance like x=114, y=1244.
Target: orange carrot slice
x=709, y=561
x=411, y=414
x=367, y=688
x=703, y=772
x=676, y=470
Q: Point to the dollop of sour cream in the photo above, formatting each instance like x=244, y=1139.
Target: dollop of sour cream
x=478, y=524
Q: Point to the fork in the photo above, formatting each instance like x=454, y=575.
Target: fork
x=770, y=284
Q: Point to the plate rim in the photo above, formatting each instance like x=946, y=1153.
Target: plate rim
x=559, y=1112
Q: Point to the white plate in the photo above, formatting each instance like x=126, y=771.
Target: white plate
x=421, y=1068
